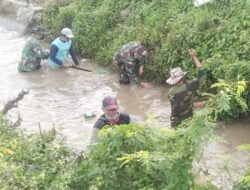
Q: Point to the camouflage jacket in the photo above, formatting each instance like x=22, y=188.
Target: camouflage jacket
x=31, y=56
x=127, y=63
x=181, y=98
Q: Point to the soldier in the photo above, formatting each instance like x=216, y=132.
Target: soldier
x=110, y=117
x=60, y=48
x=32, y=52
x=182, y=92
x=130, y=59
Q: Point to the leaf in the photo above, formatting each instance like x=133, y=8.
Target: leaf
x=244, y=147
x=241, y=87
x=242, y=102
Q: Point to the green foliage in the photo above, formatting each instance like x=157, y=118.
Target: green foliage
x=140, y=157
x=32, y=162
x=230, y=101
x=244, y=182
x=205, y=187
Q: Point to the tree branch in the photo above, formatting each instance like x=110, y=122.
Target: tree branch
x=13, y=103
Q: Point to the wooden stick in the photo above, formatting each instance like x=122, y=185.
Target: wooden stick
x=79, y=68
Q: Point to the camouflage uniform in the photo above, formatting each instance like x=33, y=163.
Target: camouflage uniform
x=31, y=56
x=181, y=98
x=127, y=64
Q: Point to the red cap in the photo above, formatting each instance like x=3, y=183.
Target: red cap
x=109, y=103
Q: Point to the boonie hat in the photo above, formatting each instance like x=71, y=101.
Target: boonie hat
x=67, y=32
x=176, y=74
x=109, y=103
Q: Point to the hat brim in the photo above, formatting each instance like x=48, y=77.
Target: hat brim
x=70, y=36
x=111, y=107
x=173, y=81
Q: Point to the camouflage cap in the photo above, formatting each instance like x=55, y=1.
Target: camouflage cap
x=38, y=29
x=141, y=50
x=176, y=74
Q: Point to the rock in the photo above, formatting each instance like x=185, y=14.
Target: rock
x=18, y=10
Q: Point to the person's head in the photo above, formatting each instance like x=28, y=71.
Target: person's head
x=110, y=106
x=176, y=76
x=66, y=34
x=141, y=53
x=38, y=32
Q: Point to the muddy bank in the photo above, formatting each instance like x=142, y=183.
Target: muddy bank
x=23, y=12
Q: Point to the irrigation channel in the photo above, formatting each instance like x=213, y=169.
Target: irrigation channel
x=60, y=98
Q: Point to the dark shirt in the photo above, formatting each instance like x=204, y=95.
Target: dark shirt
x=53, y=53
x=103, y=121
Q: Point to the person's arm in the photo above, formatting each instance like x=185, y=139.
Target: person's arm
x=72, y=53
x=194, y=57
x=141, y=67
x=37, y=49
x=200, y=104
x=52, y=54
x=45, y=54
x=201, y=75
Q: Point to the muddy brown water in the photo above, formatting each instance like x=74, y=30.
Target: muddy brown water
x=59, y=98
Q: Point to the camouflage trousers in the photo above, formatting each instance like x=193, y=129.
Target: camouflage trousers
x=28, y=66
x=177, y=121
x=128, y=74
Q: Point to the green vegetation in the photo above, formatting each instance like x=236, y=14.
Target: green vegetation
x=229, y=101
x=244, y=182
x=32, y=161
x=219, y=31
x=128, y=156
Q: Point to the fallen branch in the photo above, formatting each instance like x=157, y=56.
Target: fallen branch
x=13, y=103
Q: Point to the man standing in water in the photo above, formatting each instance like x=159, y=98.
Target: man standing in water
x=32, y=52
x=110, y=117
x=182, y=91
x=60, y=48
x=130, y=60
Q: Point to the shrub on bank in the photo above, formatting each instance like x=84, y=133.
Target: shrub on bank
x=126, y=157
x=139, y=157
x=32, y=161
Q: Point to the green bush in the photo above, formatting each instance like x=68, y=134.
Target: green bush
x=32, y=161
x=230, y=101
x=139, y=157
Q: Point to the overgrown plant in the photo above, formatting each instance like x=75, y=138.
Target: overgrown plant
x=139, y=157
x=230, y=101
x=32, y=161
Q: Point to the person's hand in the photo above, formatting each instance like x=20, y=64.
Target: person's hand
x=200, y=104
x=192, y=52
x=66, y=65
x=146, y=85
